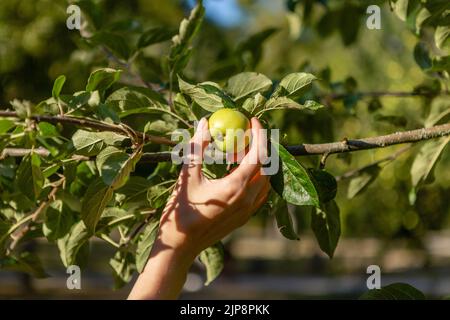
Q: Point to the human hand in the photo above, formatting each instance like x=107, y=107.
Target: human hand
x=200, y=211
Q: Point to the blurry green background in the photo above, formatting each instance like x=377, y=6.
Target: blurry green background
x=410, y=243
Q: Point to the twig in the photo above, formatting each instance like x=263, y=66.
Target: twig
x=19, y=152
x=371, y=143
x=36, y=214
x=93, y=124
x=378, y=94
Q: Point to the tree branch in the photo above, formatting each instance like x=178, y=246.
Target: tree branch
x=371, y=143
x=378, y=94
x=345, y=145
x=93, y=124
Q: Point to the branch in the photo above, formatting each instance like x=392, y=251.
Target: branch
x=371, y=143
x=93, y=124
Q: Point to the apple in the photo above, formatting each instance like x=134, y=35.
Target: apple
x=229, y=129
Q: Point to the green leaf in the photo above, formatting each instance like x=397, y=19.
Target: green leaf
x=114, y=42
x=90, y=143
x=180, y=50
x=58, y=221
x=284, y=221
x=155, y=35
x=442, y=36
x=395, y=291
x=182, y=108
x=69, y=246
x=123, y=268
x=102, y=79
x=24, y=262
x=129, y=98
x=157, y=195
x=294, y=85
x=362, y=181
x=97, y=196
x=439, y=112
x=6, y=125
x=292, y=181
x=280, y=103
x=247, y=84
x=57, y=86
x=426, y=160
x=326, y=224
x=250, y=50
x=213, y=260
x=206, y=95
x=47, y=130
x=325, y=184
x=422, y=56
x=255, y=104
x=30, y=179
x=145, y=243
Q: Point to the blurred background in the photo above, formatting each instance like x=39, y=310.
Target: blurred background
x=409, y=240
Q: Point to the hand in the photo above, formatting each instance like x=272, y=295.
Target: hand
x=201, y=212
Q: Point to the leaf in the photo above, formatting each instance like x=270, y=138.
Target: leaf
x=127, y=98
x=180, y=51
x=439, y=112
x=115, y=43
x=325, y=184
x=69, y=246
x=395, y=291
x=247, y=84
x=90, y=143
x=349, y=23
x=47, y=130
x=58, y=85
x=97, y=196
x=102, y=79
x=155, y=35
x=145, y=243
x=422, y=56
x=250, y=50
x=115, y=166
x=26, y=262
x=30, y=179
x=123, y=268
x=6, y=125
x=206, y=95
x=213, y=259
x=255, y=104
x=326, y=224
x=58, y=221
x=294, y=85
x=362, y=181
x=426, y=160
x=157, y=195
x=292, y=182
x=441, y=37
x=284, y=221
x=280, y=103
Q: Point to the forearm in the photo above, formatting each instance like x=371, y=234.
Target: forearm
x=164, y=274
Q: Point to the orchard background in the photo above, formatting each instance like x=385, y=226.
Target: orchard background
x=86, y=117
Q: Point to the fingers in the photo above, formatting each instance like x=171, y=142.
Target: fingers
x=251, y=163
x=197, y=145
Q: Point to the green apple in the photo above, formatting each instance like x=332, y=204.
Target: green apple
x=227, y=127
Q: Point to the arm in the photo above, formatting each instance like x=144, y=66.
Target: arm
x=199, y=213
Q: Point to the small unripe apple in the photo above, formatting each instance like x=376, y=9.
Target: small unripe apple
x=228, y=127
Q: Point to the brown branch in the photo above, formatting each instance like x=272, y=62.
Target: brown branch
x=92, y=124
x=346, y=145
x=36, y=215
x=371, y=143
x=19, y=152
